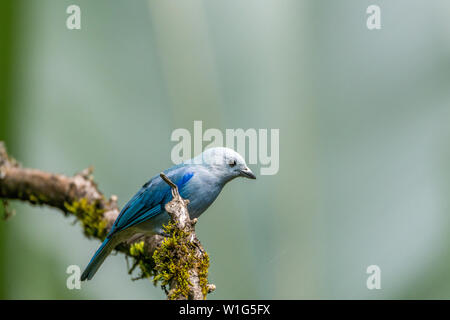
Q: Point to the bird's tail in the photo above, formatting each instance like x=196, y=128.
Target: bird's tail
x=100, y=255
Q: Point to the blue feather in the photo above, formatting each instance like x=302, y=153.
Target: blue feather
x=97, y=260
x=150, y=200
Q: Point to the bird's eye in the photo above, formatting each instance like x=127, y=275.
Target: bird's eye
x=232, y=163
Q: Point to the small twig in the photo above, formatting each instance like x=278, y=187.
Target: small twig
x=168, y=181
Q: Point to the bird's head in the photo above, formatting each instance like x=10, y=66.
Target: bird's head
x=225, y=162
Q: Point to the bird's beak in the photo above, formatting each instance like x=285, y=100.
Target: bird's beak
x=247, y=173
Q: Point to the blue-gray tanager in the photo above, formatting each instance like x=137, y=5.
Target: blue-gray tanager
x=199, y=180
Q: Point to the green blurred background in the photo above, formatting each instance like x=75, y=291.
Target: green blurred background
x=364, y=138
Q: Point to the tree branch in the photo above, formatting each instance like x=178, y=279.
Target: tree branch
x=177, y=261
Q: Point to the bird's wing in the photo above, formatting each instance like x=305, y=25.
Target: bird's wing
x=151, y=198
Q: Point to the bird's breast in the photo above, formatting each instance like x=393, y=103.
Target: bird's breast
x=200, y=195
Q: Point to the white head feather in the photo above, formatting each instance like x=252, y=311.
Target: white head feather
x=225, y=161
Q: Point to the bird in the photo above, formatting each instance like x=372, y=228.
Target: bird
x=200, y=180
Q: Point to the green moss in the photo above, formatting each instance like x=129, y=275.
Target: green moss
x=203, y=274
x=174, y=259
x=137, y=249
x=144, y=262
x=91, y=217
x=35, y=199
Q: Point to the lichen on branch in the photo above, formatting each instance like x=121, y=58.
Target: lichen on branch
x=180, y=261
x=175, y=260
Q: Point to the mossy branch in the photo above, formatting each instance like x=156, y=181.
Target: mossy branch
x=177, y=261
x=181, y=261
